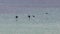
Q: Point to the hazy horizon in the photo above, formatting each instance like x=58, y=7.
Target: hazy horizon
x=46, y=20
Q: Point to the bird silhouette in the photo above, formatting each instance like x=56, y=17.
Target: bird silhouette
x=16, y=17
x=46, y=13
x=33, y=16
x=29, y=17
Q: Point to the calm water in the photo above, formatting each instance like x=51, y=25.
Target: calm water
x=46, y=20
x=42, y=23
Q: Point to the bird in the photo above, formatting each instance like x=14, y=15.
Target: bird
x=33, y=16
x=29, y=17
x=16, y=17
x=46, y=13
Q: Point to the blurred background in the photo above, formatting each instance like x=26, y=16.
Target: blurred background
x=22, y=6
x=46, y=20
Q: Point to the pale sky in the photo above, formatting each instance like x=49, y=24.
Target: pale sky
x=13, y=6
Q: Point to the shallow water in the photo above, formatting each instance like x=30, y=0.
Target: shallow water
x=9, y=25
x=30, y=28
